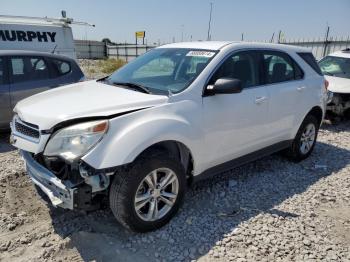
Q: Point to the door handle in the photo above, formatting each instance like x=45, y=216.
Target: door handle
x=260, y=99
x=300, y=88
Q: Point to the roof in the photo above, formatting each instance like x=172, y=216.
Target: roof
x=342, y=53
x=205, y=45
x=33, y=53
x=217, y=45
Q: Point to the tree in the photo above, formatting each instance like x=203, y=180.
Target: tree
x=107, y=41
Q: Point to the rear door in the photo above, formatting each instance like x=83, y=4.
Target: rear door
x=234, y=124
x=283, y=79
x=5, y=100
x=29, y=75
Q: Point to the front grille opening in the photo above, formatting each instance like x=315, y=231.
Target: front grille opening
x=61, y=169
x=26, y=130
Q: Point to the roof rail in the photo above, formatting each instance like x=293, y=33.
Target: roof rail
x=63, y=21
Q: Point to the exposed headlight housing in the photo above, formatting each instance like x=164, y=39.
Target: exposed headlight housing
x=75, y=141
x=329, y=96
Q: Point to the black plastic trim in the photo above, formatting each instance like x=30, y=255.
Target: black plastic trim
x=85, y=119
x=242, y=160
x=313, y=64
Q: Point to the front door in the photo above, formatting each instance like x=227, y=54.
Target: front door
x=234, y=124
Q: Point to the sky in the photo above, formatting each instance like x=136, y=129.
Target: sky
x=165, y=20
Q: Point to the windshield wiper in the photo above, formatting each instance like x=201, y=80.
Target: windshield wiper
x=138, y=87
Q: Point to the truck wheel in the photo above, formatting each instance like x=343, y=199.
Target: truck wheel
x=148, y=194
x=305, y=140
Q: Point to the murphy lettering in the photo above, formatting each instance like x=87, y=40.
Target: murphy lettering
x=27, y=36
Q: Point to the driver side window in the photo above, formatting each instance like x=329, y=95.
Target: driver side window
x=242, y=66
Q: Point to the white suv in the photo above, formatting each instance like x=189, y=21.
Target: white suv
x=336, y=68
x=177, y=114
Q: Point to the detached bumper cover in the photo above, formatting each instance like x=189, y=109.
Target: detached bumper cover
x=60, y=194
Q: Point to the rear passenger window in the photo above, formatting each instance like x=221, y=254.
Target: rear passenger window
x=2, y=74
x=280, y=67
x=242, y=66
x=28, y=69
x=61, y=67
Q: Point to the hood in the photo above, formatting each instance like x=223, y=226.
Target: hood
x=338, y=84
x=84, y=99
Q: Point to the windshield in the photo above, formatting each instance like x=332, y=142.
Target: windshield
x=335, y=66
x=164, y=69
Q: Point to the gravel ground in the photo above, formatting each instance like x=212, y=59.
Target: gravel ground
x=268, y=210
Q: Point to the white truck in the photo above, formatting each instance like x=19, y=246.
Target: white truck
x=38, y=34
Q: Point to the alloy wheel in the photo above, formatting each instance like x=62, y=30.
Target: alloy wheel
x=307, y=139
x=156, y=194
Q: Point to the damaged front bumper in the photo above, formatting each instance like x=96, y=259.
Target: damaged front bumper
x=338, y=103
x=62, y=193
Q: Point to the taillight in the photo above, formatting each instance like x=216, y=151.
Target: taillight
x=326, y=84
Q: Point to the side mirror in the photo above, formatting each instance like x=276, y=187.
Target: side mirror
x=225, y=85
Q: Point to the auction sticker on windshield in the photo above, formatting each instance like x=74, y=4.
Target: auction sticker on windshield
x=201, y=53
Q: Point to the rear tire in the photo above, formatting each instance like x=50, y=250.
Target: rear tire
x=305, y=139
x=141, y=198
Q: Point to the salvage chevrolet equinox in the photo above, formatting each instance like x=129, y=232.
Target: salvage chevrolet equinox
x=175, y=115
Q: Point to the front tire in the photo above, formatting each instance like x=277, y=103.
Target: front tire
x=146, y=195
x=305, y=139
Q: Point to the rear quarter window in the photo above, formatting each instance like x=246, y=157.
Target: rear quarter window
x=311, y=61
x=61, y=67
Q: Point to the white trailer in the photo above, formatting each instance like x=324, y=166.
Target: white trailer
x=38, y=34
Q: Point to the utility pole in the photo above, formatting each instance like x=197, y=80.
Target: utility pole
x=211, y=9
x=242, y=37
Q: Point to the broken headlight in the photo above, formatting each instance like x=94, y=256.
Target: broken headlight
x=75, y=141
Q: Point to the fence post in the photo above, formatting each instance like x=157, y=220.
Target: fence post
x=126, y=54
x=117, y=48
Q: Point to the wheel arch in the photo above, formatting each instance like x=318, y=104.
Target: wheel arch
x=178, y=150
x=317, y=112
